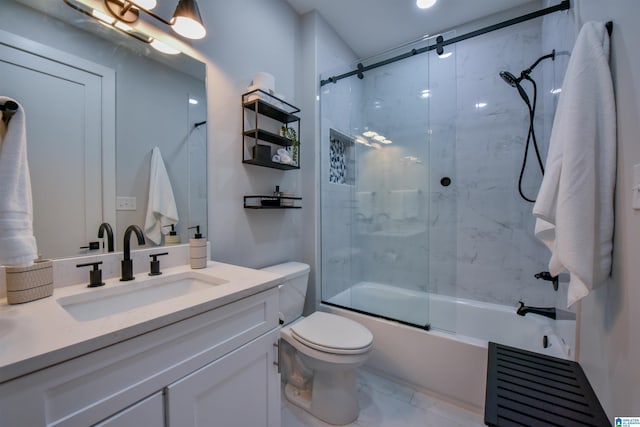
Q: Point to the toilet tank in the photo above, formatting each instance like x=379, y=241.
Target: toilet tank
x=293, y=289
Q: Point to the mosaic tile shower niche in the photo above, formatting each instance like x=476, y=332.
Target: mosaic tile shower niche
x=341, y=158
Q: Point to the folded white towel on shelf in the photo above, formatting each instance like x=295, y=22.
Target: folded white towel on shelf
x=574, y=206
x=17, y=243
x=364, y=204
x=396, y=205
x=404, y=204
x=161, y=207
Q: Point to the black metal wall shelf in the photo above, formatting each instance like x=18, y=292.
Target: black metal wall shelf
x=267, y=136
x=271, y=202
x=270, y=164
x=270, y=110
x=271, y=118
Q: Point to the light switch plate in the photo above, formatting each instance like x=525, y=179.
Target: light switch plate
x=125, y=203
x=635, y=201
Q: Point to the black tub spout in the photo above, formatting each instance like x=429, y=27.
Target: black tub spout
x=549, y=312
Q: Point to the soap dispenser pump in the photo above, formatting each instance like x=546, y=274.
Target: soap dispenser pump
x=172, y=238
x=197, y=249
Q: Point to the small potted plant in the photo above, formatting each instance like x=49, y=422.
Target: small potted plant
x=290, y=134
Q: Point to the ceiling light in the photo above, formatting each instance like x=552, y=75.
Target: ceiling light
x=425, y=4
x=379, y=138
x=187, y=20
x=369, y=134
x=163, y=47
x=193, y=101
x=386, y=141
x=361, y=140
x=425, y=93
x=481, y=105
x=556, y=91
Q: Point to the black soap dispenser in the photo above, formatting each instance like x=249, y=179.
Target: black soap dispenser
x=198, y=250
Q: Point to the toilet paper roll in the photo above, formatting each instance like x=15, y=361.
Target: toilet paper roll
x=264, y=81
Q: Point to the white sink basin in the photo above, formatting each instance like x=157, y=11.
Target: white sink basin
x=126, y=296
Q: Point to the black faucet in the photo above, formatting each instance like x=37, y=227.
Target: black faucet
x=127, y=263
x=545, y=275
x=106, y=227
x=549, y=312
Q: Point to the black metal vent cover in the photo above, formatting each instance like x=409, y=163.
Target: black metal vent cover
x=531, y=389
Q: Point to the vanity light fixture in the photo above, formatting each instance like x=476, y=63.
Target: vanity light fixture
x=425, y=4
x=186, y=20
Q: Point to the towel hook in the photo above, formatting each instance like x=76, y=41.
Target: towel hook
x=8, y=109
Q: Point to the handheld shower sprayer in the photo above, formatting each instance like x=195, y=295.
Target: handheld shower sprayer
x=514, y=81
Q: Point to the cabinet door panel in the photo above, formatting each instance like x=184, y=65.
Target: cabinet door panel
x=149, y=413
x=238, y=390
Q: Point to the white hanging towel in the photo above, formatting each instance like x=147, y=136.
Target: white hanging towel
x=17, y=244
x=161, y=208
x=574, y=206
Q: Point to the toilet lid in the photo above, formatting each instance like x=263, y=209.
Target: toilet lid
x=332, y=334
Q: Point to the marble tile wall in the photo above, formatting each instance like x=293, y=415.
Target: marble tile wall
x=473, y=238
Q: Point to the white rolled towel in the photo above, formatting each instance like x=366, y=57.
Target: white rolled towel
x=161, y=207
x=17, y=243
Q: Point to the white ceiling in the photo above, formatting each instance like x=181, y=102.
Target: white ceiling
x=373, y=26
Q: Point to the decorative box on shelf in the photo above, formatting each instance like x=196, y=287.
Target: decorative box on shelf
x=29, y=283
x=272, y=202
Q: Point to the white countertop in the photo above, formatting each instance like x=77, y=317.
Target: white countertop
x=41, y=333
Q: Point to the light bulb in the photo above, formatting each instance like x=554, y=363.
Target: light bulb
x=188, y=28
x=146, y=4
x=164, y=48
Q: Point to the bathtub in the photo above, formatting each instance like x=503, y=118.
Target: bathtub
x=450, y=359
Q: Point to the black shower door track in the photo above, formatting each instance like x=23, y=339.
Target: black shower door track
x=441, y=43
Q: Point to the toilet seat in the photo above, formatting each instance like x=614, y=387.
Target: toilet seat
x=334, y=334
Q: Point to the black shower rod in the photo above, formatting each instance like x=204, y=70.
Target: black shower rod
x=441, y=42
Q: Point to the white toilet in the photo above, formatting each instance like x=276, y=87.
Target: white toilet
x=322, y=352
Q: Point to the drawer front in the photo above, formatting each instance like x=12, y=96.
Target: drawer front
x=90, y=388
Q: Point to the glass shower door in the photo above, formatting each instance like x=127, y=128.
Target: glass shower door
x=376, y=191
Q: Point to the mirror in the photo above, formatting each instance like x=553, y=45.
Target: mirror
x=93, y=119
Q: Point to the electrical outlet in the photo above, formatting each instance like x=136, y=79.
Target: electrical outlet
x=125, y=203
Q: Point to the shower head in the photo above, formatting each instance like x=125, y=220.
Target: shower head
x=514, y=81
x=509, y=78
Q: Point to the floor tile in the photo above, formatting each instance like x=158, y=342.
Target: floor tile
x=384, y=403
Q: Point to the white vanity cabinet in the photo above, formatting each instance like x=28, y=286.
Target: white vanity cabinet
x=212, y=368
x=236, y=390
x=149, y=412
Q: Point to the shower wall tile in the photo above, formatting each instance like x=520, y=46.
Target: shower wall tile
x=479, y=240
x=497, y=253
